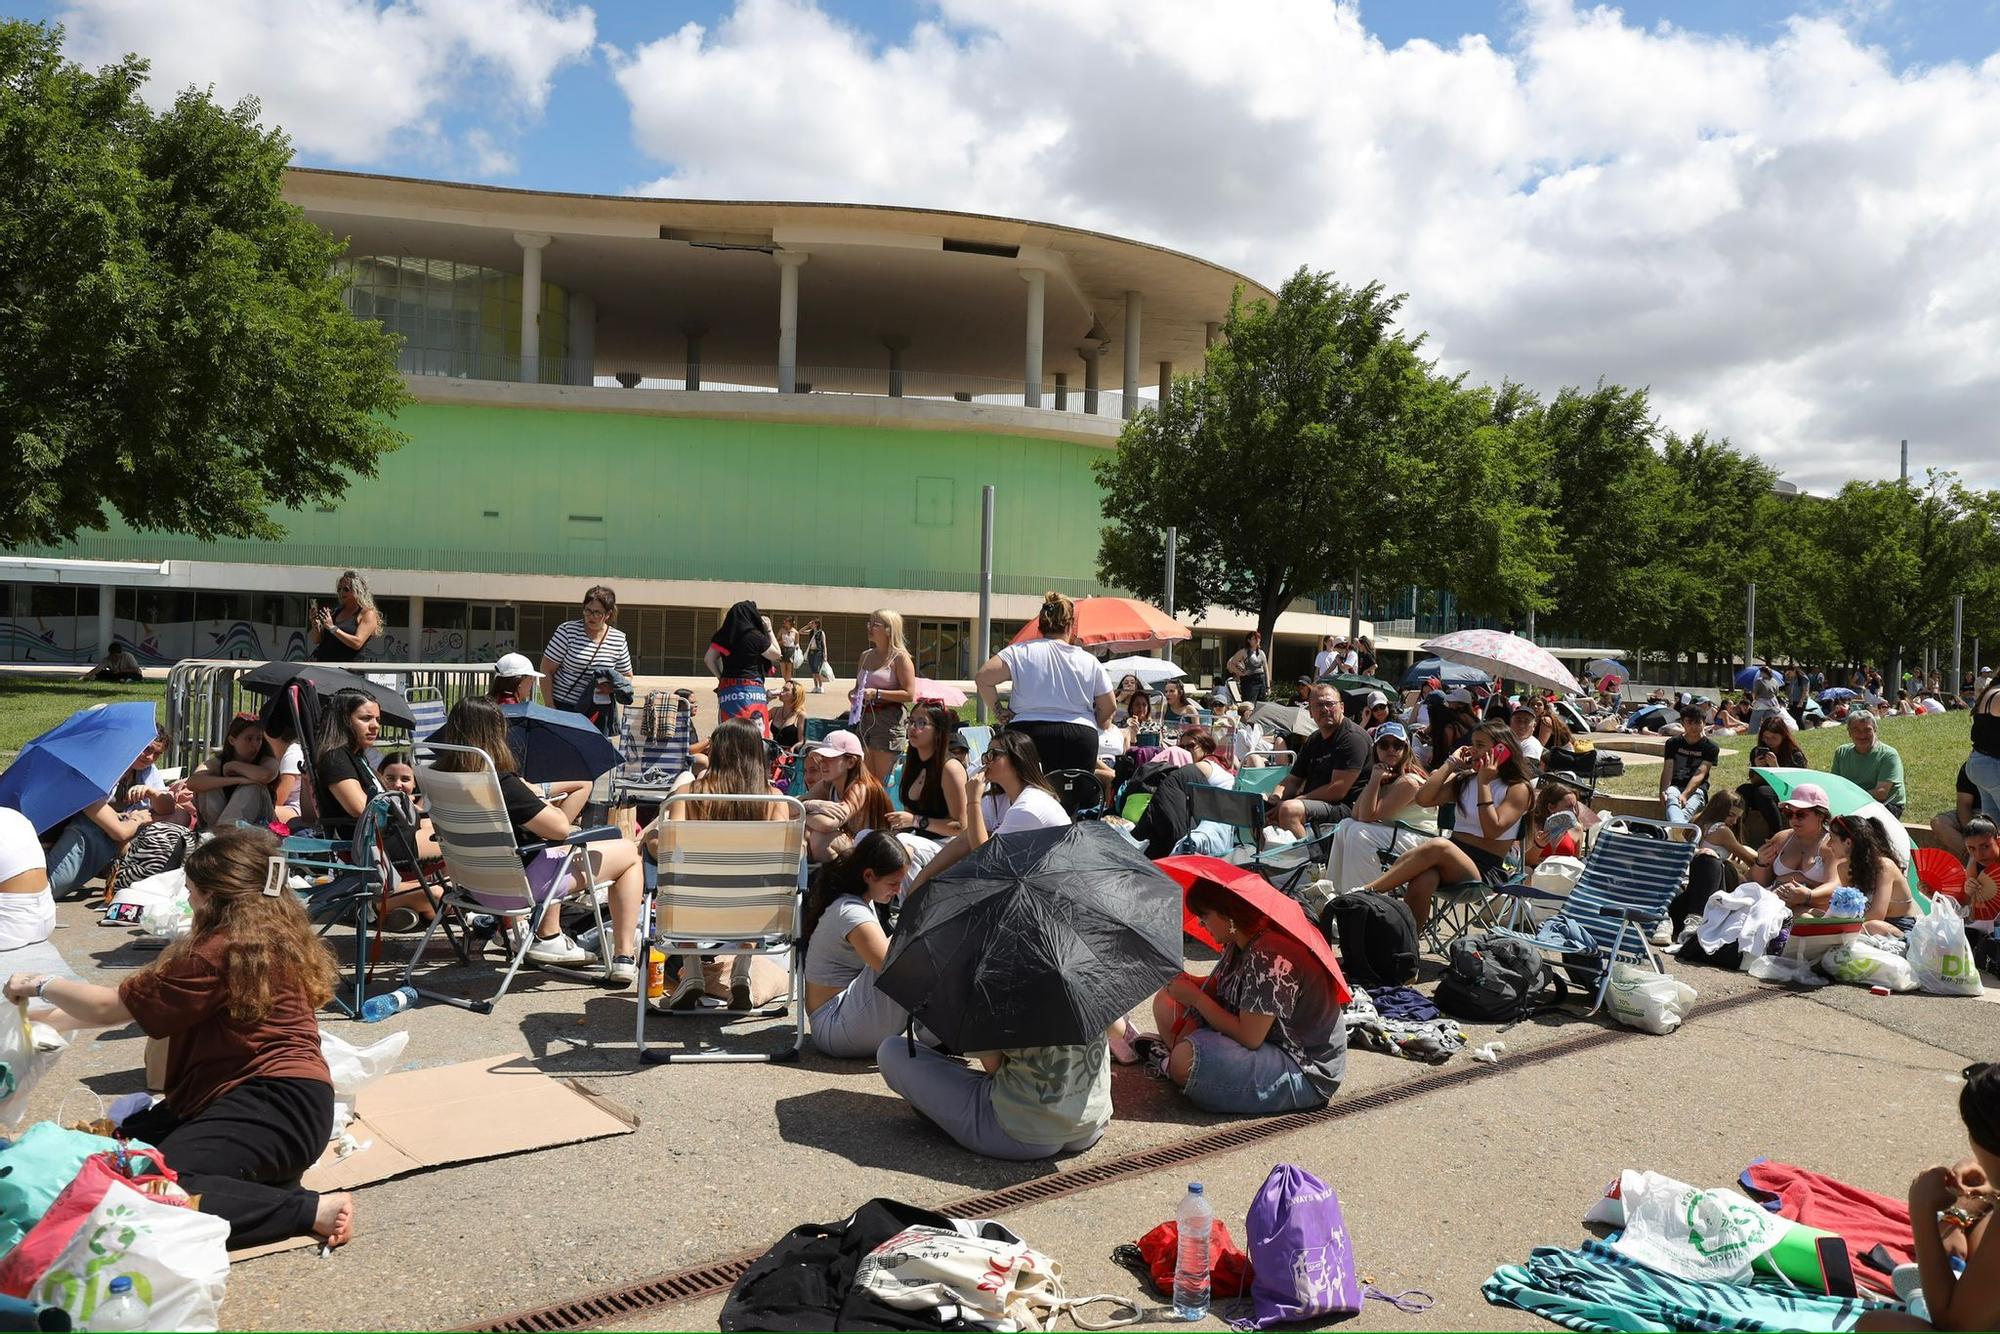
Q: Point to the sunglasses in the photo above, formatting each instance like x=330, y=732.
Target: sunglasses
x=1802, y=813
x=596, y=607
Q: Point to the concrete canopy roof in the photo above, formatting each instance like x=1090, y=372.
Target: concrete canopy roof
x=948, y=283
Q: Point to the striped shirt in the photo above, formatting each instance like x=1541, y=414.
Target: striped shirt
x=578, y=660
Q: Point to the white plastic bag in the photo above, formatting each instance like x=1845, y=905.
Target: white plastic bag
x=171, y=918
x=27, y=1049
x=1556, y=875
x=176, y=1257
x=353, y=1067
x=1641, y=998
x=1940, y=955
x=1706, y=1235
x=1859, y=965
x=1779, y=968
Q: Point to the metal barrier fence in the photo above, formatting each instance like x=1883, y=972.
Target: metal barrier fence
x=203, y=694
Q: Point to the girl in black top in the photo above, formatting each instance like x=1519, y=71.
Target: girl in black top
x=933, y=784
x=350, y=725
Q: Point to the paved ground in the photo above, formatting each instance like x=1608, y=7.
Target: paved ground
x=1437, y=1189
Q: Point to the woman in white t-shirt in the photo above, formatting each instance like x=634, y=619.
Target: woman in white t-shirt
x=1061, y=696
x=27, y=909
x=1014, y=769
x=1328, y=660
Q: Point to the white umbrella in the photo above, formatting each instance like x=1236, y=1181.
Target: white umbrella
x=1504, y=655
x=1151, y=672
x=1608, y=667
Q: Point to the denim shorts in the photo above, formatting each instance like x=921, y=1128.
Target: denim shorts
x=1228, y=1077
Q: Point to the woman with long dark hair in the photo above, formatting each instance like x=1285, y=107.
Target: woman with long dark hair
x=846, y=947
x=932, y=789
x=1488, y=783
x=1023, y=801
x=249, y=1099
x=1858, y=862
x=350, y=723
x=234, y=786
x=1777, y=735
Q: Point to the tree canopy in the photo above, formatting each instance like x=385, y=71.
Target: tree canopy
x=173, y=343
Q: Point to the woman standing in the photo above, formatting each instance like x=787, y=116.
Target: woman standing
x=788, y=648
x=1061, y=698
x=1250, y=669
x=815, y=649
x=340, y=635
x=249, y=1101
x=885, y=685
x=587, y=666
x=1982, y=766
x=740, y=654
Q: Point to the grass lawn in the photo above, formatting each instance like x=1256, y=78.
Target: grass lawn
x=31, y=705
x=1932, y=749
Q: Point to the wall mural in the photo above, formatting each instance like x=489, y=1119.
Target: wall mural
x=72, y=640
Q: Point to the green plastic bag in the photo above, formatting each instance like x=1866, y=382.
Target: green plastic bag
x=35, y=1168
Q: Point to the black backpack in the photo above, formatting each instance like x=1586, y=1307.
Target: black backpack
x=1496, y=981
x=1377, y=935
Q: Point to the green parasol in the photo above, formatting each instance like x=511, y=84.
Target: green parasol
x=1848, y=798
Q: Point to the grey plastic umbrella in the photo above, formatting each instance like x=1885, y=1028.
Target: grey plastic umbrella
x=1038, y=939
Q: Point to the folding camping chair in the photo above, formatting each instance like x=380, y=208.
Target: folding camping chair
x=654, y=740
x=1456, y=907
x=427, y=707
x=488, y=876
x=1634, y=870
x=1283, y=866
x=730, y=887
x=1079, y=792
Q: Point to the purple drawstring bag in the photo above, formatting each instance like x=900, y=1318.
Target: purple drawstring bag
x=1301, y=1258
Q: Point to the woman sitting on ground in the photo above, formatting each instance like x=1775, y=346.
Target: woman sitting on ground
x=1489, y=785
x=847, y=802
x=847, y=945
x=89, y=841
x=1862, y=880
x=1722, y=831
x=281, y=730
x=1021, y=800
x=1263, y=1034
x=1797, y=854
x=1951, y=1221
x=1776, y=735
x=249, y=1100
x=234, y=785
x=479, y=724
x=1393, y=782
x=932, y=787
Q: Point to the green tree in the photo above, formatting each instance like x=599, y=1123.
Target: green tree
x=1703, y=558
x=1318, y=443
x=173, y=344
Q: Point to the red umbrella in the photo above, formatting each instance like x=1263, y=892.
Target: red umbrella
x=1122, y=623
x=1257, y=894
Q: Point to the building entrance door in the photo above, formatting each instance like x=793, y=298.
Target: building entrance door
x=940, y=650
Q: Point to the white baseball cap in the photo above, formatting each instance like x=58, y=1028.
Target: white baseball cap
x=514, y=664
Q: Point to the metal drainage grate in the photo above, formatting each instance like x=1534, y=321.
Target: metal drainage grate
x=629, y=1301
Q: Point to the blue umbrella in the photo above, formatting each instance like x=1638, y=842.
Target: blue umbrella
x=75, y=762
x=1747, y=678
x=1837, y=694
x=555, y=744
x=1601, y=667
x=1451, y=673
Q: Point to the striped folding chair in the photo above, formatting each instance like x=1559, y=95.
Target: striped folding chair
x=654, y=739
x=427, y=707
x=1634, y=870
x=733, y=886
x=488, y=876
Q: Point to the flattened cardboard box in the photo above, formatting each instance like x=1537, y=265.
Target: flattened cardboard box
x=487, y=1108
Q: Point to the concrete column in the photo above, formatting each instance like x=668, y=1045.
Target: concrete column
x=531, y=244
x=1166, y=379
x=416, y=629
x=1211, y=334
x=1037, y=282
x=1062, y=391
x=897, y=345
x=692, y=333
x=107, y=609
x=582, y=338
x=788, y=318
x=1133, y=302
x=1092, y=358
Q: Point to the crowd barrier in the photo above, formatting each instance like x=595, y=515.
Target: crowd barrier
x=203, y=694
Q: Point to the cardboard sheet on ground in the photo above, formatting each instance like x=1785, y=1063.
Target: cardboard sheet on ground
x=488, y=1108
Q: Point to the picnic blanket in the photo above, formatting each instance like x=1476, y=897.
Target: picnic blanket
x=1402, y=1023
x=1595, y=1288
x=1867, y=1222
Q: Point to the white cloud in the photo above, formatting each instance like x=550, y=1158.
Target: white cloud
x=353, y=80
x=1788, y=239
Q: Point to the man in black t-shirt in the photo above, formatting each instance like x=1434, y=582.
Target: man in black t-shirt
x=1690, y=758
x=1330, y=769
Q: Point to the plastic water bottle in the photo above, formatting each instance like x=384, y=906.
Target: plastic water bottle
x=377, y=1008
x=1196, y=1224
x=121, y=1310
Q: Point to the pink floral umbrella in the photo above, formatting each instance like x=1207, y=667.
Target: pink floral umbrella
x=938, y=692
x=1505, y=655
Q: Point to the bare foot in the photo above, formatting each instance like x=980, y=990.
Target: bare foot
x=333, y=1221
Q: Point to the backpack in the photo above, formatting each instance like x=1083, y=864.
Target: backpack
x=1496, y=981
x=156, y=849
x=1377, y=936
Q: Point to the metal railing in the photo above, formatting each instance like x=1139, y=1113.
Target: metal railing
x=203, y=694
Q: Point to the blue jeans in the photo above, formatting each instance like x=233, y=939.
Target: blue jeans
x=1682, y=810
x=80, y=851
x=1228, y=1077
x=1983, y=771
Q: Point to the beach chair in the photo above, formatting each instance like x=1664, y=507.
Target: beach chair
x=1263, y=781
x=427, y=707
x=1285, y=866
x=350, y=875
x=729, y=887
x=488, y=876
x=1634, y=870
x=1456, y=907
x=654, y=740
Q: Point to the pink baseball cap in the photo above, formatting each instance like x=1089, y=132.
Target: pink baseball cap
x=1808, y=796
x=842, y=742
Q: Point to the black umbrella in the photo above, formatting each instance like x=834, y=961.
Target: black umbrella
x=273, y=677
x=552, y=745
x=1037, y=939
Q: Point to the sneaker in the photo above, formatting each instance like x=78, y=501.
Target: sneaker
x=739, y=995
x=1123, y=1044
x=623, y=971
x=559, y=950
x=688, y=993
x=1663, y=934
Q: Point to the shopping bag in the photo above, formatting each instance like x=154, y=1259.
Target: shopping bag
x=1940, y=955
x=1641, y=998
x=977, y=1275
x=1859, y=965
x=1705, y=1235
x=27, y=1049
x=177, y=1258
x=35, y=1168
x=102, y=1175
x=1156, y=1255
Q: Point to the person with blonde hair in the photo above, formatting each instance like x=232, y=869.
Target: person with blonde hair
x=249, y=1099
x=1061, y=697
x=885, y=685
x=342, y=633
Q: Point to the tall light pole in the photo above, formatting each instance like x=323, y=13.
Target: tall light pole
x=985, y=644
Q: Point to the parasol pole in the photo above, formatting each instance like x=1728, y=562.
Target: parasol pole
x=985, y=583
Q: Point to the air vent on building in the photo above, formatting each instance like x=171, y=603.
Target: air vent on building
x=586, y=518
x=491, y=514
x=982, y=248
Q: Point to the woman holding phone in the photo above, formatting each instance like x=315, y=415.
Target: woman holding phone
x=1487, y=784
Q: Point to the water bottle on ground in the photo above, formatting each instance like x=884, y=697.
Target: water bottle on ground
x=377, y=1008
x=122, y=1309
x=1196, y=1224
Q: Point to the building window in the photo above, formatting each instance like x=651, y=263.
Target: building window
x=459, y=320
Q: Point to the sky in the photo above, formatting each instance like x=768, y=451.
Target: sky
x=1777, y=216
